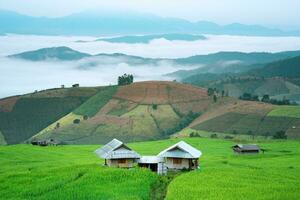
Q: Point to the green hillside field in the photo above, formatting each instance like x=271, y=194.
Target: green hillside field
x=286, y=111
x=26, y=115
x=138, y=112
x=75, y=172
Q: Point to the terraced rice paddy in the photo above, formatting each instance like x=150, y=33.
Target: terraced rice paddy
x=74, y=172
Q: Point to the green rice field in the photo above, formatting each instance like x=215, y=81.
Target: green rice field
x=75, y=172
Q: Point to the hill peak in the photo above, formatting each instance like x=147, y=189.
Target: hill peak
x=160, y=92
x=51, y=53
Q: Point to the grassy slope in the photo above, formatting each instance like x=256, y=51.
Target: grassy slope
x=286, y=111
x=74, y=172
x=94, y=104
x=33, y=112
x=141, y=123
x=64, y=121
x=88, y=108
x=31, y=115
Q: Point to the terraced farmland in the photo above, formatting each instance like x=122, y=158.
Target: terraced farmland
x=140, y=111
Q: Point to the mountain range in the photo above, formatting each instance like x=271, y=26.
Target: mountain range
x=257, y=73
x=104, y=23
x=221, y=62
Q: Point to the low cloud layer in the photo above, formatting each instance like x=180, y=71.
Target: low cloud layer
x=159, y=48
x=19, y=76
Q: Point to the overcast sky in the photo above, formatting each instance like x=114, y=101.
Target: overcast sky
x=274, y=13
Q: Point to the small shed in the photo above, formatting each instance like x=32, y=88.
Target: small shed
x=117, y=154
x=246, y=148
x=154, y=163
x=181, y=156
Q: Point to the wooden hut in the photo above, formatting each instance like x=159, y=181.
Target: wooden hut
x=154, y=163
x=246, y=148
x=181, y=156
x=117, y=154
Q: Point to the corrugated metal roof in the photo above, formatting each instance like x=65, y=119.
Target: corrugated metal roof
x=181, y=150
x=248, y=146
x=150, y=159
x=116, y=149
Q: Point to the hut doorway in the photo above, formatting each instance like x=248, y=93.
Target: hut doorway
x=152, y=166
x=154, y=163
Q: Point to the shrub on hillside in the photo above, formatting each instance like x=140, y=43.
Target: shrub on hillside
x=57, y=125
x=192, y=134
x=280, y=135
x=154, y=106
x=76, y=121
x=228, y=137
x=214, y=136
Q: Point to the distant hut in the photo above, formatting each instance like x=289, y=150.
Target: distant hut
x=181, y=156
x=117, y=154
x=154, y=163
x=49, y=142
x=246, y=148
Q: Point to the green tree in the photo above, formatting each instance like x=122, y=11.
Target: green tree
x=125, y=79
x=215, y=98
x=210, y=91
x=266, y=98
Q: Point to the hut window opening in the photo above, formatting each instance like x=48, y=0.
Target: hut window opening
x=177, y=161
x=122, y=161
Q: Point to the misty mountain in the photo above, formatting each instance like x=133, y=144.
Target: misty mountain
x=91, y=61
x=118, y=58
x=288, y=68
x=53, y=53
x=222, y=62
x=148, y=38
x=229, y=62
x=101, y=23
x=279, y=79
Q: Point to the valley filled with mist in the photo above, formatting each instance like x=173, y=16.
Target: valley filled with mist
x=107, y=57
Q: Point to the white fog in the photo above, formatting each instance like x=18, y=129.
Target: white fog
x=19, y=76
